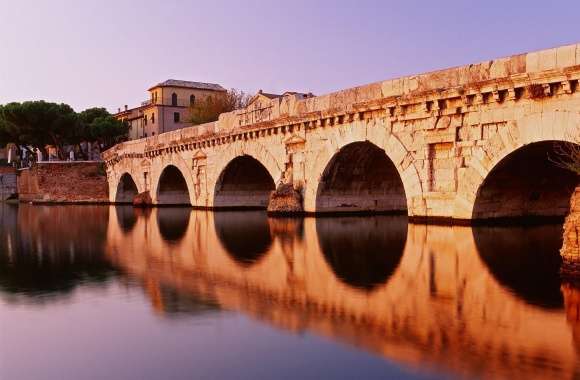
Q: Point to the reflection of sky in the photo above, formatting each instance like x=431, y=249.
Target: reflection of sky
x=112, y=333
x=108, y=52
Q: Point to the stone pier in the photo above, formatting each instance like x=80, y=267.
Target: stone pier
x=571, y=248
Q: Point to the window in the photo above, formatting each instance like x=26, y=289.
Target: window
x=152, y=118
x=176, y=117
x=152, y=133
x=145, y=119
x=191, y=100
x=174, y=99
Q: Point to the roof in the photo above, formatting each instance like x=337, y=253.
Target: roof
x=188, y=84
x=304, y=95
x=270, y=96
x=275, y=96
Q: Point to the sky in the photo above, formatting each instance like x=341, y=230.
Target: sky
x=109, y=52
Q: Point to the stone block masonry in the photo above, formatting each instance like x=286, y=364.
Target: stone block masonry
x=63, y=182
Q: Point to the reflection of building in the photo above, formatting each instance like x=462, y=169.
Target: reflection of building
x=167, y=107
x=435, y=300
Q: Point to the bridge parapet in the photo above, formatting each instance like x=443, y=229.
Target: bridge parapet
x=537, y=74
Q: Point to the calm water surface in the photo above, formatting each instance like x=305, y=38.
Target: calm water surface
x=91, y=292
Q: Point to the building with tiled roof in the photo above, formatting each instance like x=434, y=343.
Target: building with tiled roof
x=167, y=108
x=188, y=84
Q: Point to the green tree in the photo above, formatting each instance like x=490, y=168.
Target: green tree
x=90, y=114
x=97, y=124
x=209, y=109
x=38, y=124
x=108, y=131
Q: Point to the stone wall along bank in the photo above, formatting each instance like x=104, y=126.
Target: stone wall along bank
x=63, y=182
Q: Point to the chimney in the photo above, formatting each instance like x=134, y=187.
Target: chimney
x=118, y=110
x=126, y=108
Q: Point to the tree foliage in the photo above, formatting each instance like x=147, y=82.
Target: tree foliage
x=209, y=108
x=99, y=125
x=107, y=130
x=38, y=124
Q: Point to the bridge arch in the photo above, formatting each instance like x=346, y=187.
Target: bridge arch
x=360, y=177
x=513, y=170
x=526, y=183
x=172, y=187
x=126, y=189
x=245, y=176
x=355, y=140
x=244, y=183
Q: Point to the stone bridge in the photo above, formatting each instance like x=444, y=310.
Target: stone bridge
x=471, y=142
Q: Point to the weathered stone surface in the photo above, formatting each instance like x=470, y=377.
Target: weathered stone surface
x=571, y=248
x=446, y=135
x=63, y=182
x=142, y=199
x=285, y=200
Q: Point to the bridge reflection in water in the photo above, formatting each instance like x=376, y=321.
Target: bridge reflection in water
x=474, y=302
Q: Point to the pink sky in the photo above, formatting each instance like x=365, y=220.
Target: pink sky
x=107, y=53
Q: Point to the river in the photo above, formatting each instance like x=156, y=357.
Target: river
x=99, y=292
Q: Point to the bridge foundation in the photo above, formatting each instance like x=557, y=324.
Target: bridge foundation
x=571, y=248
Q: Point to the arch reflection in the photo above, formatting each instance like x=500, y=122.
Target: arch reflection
x=127, y=217
x=363, y=252
x=173, y=222
x=244, y=235
x=524, y=259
